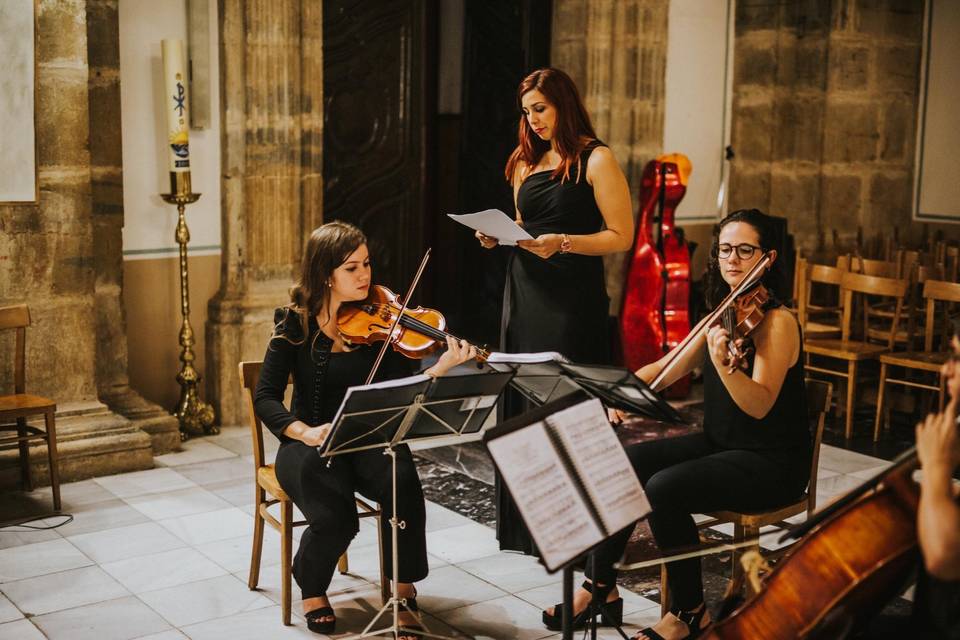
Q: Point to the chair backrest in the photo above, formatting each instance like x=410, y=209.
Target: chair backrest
x=821, y=277
x=818, y=401
x=875, y=286
x=249, y=374
x=939, y=291
x=880, y=268
x=17, y=317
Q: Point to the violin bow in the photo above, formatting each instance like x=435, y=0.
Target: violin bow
x=748, y=281
x=403, y=308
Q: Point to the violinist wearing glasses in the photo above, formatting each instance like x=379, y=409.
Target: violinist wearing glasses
x=753, y=453
x=306, y=343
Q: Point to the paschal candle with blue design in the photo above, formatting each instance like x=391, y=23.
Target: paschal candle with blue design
x=175, y=105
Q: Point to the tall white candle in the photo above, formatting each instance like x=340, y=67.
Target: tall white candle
x=175, y=105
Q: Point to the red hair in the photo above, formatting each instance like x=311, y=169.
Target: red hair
x=573, y=123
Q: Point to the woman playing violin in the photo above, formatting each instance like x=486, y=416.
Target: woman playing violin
x=306, y=343
x=753, y=453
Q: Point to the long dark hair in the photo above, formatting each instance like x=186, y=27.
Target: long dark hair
x=329, y=247
x=716, y=288
x=573, y=123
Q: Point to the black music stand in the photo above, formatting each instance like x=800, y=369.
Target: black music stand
x=566, y=558
x=420, y=408
x=544, y=377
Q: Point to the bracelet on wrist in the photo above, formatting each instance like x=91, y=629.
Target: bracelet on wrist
x=565, y=244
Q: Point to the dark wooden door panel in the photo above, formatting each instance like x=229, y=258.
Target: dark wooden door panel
x=374, y=127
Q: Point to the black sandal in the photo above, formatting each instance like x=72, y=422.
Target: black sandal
x=611, y=613
x=410, y=632
x=690, y=618
x=315, y=624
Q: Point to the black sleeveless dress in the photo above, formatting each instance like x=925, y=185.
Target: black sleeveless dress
x=558, y=304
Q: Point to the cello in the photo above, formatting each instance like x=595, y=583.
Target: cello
x=654, y=316
x=855, y=555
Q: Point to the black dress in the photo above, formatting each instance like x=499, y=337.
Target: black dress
x=558, y=304
x=325, y=493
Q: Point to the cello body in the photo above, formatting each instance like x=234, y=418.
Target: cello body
x=840, y=572
x=654, y=316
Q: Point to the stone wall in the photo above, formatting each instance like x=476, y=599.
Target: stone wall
x=824, y=114
x=49, y=258
x=616, y=52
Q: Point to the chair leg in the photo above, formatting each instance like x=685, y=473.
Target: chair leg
x=286, y=542
x=664, y=591
x=385, y=587
x=256, y=552
x=343, y=564
x=24, y=455
x=878, y=420
x=748, y=585
x=736, y=569
x=851, y=396
x=48, y=419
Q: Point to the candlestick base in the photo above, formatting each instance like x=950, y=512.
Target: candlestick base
x=196, y=417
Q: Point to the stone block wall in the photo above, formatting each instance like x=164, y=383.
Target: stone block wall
x=824, y=114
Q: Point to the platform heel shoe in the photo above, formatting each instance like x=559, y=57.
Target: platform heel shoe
x=611, y=613
x=692, y=619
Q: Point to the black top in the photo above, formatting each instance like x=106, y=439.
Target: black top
x=558, y=304
x=320, y=376
x=785, y=427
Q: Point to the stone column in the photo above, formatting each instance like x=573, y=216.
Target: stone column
x=106, y=179
x=49, y=263
x=271, y=110
x=616, y=52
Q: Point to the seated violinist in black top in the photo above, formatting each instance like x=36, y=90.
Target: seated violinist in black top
x=306, y=344
x=754, y=451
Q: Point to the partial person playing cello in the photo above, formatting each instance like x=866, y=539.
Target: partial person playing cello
x=307, y=345
x=571, y=195
x=755, y=448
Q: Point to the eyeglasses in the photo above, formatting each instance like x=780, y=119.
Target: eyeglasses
x=744, y=251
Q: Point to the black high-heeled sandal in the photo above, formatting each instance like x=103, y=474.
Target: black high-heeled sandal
x=611, y=613
x=412, y=631
x=315, y=624
x=691, y=618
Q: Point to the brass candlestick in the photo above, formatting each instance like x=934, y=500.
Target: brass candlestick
x=195, y=416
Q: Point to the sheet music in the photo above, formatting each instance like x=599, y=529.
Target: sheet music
x=551, y=505
x=498, y=357
x=601, y=464
x=494, y=223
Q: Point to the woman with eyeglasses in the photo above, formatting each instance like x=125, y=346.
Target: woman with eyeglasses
x=752, y=455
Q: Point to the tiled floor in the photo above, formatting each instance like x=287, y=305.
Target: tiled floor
x=164, y=554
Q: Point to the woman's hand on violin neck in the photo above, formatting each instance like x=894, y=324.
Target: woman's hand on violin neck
x=487, y=242
x=458, y=352
x=718, y=346
x=544, y=246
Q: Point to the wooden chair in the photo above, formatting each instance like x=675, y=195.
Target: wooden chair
x=851, y=351
x=21, y=405
x=928, y=360
x=747, y=525
x=817, y=284
x=268, y=493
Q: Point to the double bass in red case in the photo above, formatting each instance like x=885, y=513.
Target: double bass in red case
x=654, y=316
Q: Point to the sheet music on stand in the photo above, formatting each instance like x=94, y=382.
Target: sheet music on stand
x=415, y=408
x=569, y=476
x=546, y=376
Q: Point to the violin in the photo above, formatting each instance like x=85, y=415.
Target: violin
x=752, y=313
x=419, y=332
x=740, y=319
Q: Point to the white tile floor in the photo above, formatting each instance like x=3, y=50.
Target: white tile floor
x=164, y=554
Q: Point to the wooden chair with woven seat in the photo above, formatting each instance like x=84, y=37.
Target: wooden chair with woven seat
x=817, y=286
x=20, y=406
x=268, y=492
x=746, y=525
x=856, y=351
x=930, y=359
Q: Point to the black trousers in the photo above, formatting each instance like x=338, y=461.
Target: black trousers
x=325, y=495
x=687, y=475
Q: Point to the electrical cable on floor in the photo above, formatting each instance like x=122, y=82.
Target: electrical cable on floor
x=6, y=527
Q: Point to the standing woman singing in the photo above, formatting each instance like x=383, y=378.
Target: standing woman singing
x=572, y=197
x=307, y=345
